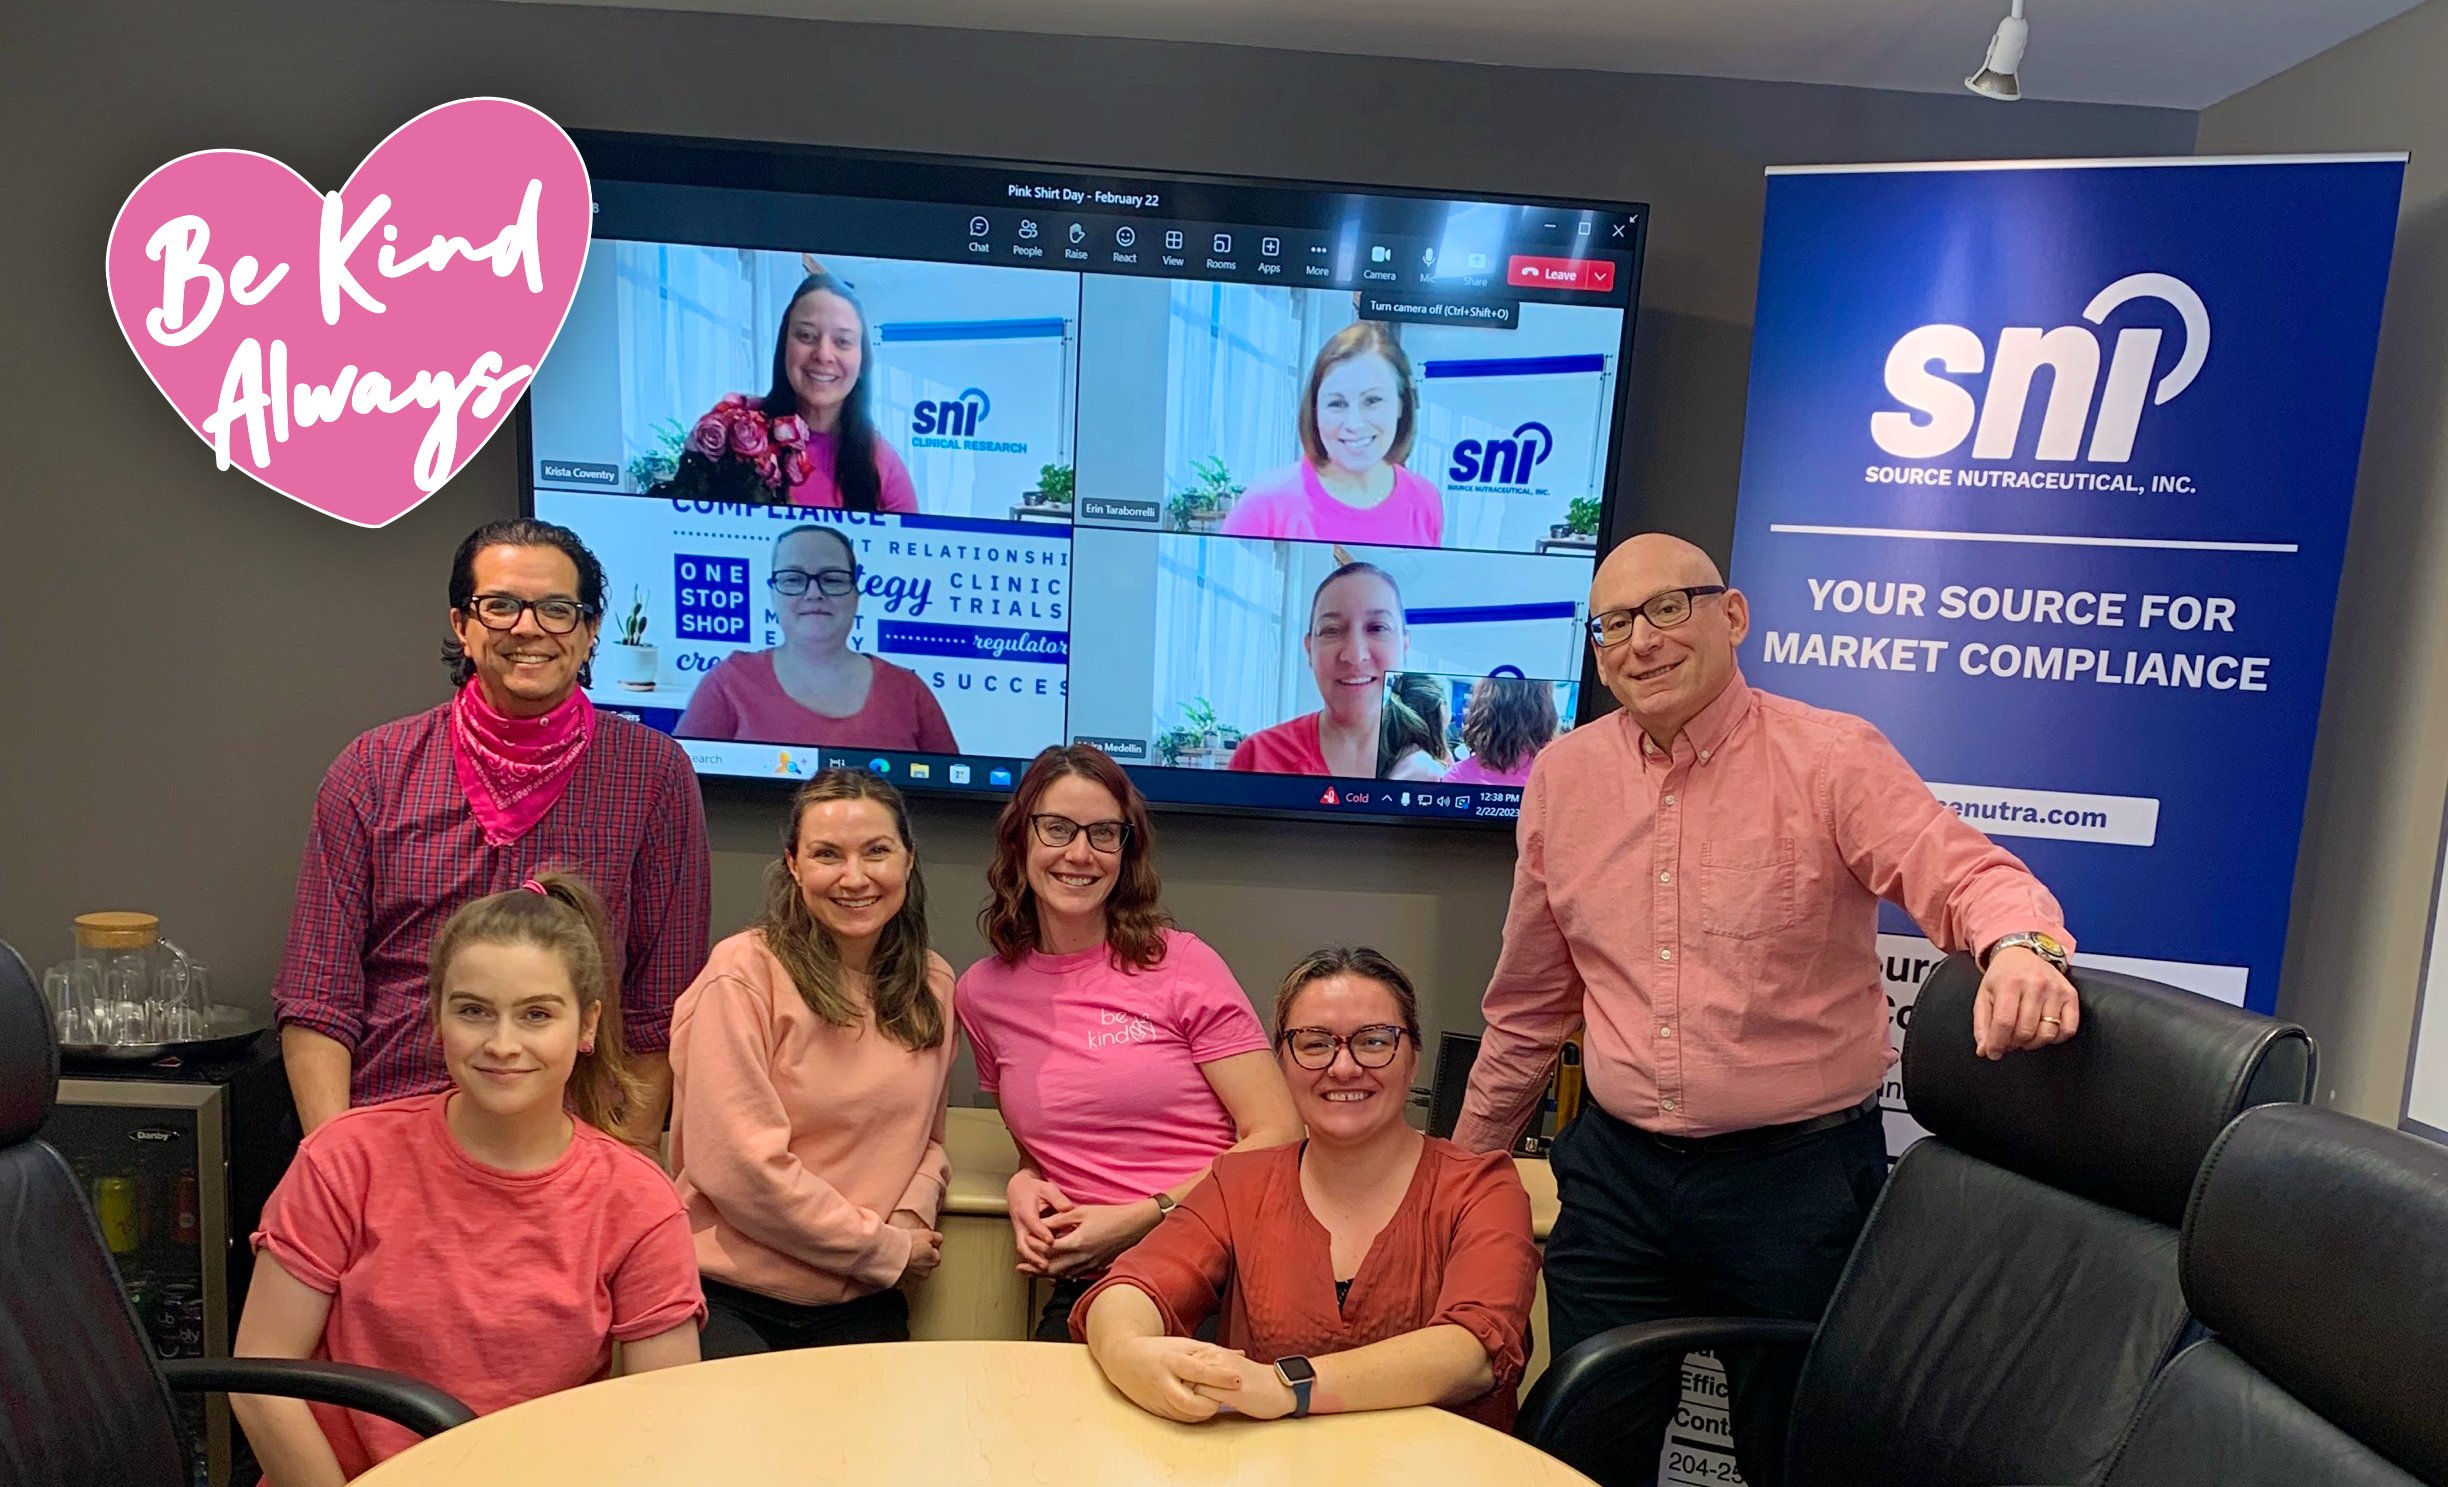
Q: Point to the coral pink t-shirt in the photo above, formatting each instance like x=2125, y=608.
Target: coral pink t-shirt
x=1293, y=504
x=1476, y=771
x=743, y=699
x=1097, y=1070
x=1286, y=748
x=896, y=493
x=498, y=1287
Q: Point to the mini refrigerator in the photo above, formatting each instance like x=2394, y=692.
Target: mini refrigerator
x=176, y=1159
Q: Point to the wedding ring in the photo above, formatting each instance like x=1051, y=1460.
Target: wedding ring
x=2050, y=1019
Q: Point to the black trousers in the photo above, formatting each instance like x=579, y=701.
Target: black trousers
x=1653, y=1228
x=740, y=1323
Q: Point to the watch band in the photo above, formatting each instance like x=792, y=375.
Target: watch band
x=1298, y=1375
x=2044, y=946
x=1165, y=1203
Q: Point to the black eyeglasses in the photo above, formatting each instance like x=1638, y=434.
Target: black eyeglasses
x=1665, y=611
x=1062, y=831
x=501, y=612
x=830, y=582
x=1372, y=1047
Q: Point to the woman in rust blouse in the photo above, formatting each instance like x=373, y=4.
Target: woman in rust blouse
x=1367, y=1268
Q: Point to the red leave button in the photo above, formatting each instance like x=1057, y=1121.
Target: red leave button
x=1594, y=274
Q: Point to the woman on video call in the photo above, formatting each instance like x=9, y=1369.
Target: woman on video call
x=812, y=688
x=1358, y=415
x=819, y=362
x=1356, y=635
x=1509, y=719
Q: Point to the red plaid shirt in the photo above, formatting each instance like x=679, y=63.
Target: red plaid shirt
x=394, y=850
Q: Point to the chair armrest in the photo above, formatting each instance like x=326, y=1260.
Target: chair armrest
x=395, y=1397
x=1588, y=1368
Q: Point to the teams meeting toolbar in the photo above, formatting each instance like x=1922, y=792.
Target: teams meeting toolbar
x=985, y=775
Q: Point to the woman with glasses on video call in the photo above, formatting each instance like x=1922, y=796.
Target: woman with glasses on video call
x=813, y=688
x=1367, y=1268
x=1123, y=1054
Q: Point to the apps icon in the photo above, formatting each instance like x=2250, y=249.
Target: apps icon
x=920, y=771
x=999, y=778
x=1028, y=227
x=977, y=227
x=958, y=774
x=1126, y=235
x=880, y=764
x=1271, y=247
x=1223, y=242
x=1173, y=240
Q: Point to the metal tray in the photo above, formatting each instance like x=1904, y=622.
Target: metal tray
x=233, y=1029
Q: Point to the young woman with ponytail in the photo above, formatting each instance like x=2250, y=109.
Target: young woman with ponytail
x=496, y=1238
x=810, y=1063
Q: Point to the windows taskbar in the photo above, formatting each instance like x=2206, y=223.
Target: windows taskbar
x=987, y=776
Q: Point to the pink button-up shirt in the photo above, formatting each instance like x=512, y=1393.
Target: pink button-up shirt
x=1711, y=914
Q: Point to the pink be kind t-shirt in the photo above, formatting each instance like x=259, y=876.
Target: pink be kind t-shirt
x=499, y=1287
x=1097, y=1070
x=1294, y=505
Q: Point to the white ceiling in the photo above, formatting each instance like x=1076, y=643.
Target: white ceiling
x=2184, y=54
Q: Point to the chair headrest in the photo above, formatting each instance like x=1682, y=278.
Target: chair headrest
x=29, y=1058
x=2317, y=1248
x=2122, y=1112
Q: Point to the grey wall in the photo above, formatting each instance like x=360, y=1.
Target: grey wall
x=185, y=651
x=2380, y=774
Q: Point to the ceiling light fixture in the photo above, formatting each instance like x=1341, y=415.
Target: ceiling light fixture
x=1996, y=79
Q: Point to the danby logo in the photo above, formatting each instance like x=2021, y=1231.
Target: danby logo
x=954, y=417
x=1923, y=368
x=1506, y=461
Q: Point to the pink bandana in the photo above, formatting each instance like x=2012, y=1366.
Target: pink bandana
x=514, y=769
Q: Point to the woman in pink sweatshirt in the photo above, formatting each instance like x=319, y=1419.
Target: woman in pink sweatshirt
x=809, y=1064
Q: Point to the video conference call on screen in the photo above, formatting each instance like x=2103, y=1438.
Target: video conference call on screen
x=1287, y=498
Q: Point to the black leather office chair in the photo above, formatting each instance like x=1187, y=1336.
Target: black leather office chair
x=2016, y=1287
x=2316, y=1251
x=83, y=1401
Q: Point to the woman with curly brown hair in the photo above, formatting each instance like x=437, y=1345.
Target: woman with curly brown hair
x=1122, y=1052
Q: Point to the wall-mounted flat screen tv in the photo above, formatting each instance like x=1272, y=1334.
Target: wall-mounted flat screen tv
x=1286, y=495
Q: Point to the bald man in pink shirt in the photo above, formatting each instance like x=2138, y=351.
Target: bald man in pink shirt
x=1698, y=882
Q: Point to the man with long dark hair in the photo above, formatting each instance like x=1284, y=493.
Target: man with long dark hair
x=515, y=774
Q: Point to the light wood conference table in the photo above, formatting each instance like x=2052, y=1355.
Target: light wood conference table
x=976, y=1293
x=959, y=1414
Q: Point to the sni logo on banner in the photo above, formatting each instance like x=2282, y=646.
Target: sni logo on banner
x=1501, y=464
x=1944, y=413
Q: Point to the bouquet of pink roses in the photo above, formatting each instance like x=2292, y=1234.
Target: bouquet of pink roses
x=736, y=454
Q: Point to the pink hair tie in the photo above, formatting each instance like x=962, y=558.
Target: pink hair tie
x=532, y=886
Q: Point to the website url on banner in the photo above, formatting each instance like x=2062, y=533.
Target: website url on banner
x=2000, y=810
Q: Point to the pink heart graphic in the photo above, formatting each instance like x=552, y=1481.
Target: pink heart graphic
x=354, y=351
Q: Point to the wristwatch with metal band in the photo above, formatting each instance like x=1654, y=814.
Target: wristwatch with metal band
x=2042, y=945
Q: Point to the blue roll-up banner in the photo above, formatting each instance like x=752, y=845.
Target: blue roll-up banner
x=2047, y=474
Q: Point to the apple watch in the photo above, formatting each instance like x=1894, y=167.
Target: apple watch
x=1298, y=1374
